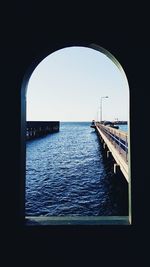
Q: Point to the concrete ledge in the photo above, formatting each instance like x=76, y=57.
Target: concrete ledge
x=77, y=220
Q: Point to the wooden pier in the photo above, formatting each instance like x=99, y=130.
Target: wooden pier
x=35, y=129
x=115, y=142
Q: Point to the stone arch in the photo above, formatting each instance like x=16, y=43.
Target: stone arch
x=24, y=86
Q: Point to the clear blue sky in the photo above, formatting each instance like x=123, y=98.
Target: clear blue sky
x=68, y=84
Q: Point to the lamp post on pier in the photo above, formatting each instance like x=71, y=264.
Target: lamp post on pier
x=101, y=107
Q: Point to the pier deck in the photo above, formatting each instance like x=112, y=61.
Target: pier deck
x=116, y=142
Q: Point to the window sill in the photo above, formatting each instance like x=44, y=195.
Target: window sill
x=77, y=220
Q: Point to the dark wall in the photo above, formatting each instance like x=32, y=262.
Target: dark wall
x=34, y=30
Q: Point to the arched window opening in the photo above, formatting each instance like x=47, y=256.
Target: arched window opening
x=76, y=139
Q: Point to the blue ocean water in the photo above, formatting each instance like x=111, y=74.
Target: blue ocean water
x=68, y=174
x=123, y=127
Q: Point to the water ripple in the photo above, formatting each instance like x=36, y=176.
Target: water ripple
x=66, y=174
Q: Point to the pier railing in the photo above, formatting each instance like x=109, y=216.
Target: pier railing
x=118, y=138
x=116, y=144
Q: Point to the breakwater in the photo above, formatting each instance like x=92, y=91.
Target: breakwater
x=35, y=129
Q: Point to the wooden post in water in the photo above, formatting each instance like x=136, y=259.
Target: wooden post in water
x=116, y=168
x=108, y=154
